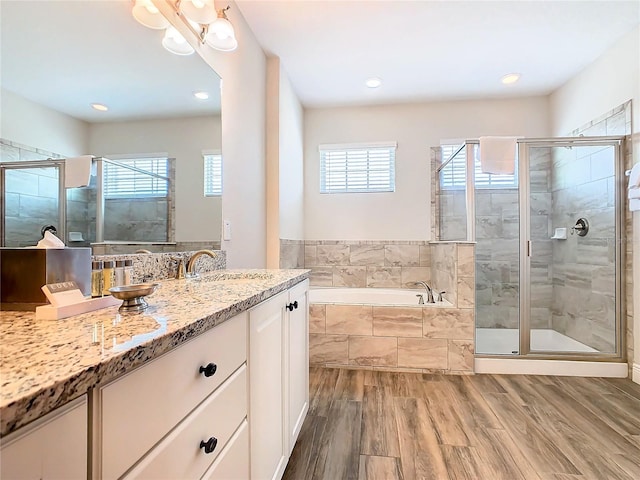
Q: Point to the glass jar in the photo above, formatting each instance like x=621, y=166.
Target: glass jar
x=96, y=279
x=128, y=271
x=108, y=276
x=119, y=273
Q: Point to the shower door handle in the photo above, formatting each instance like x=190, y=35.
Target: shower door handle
x=529, y=249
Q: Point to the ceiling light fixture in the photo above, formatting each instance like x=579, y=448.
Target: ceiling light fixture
x=100, y=107
x=201, y=95
x=148, y=15
x=210, y=26
x=176, y=43
x=199, y=11
x=373, y=82
x=220, y=34
x=510, y=78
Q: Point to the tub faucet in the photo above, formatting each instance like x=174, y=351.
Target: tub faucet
x=194, y=257
x=430, y=298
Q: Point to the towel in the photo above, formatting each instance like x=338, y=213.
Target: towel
x=633, y=193
x=634, y=177
x=634, y=204
x=50, y=241
x=498, y=155
x=77, y=171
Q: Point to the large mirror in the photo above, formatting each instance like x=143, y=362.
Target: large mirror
x=58, y=58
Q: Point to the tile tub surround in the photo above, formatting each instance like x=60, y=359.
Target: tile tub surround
x=45, y=364
x=149, y=267
x=384, y=263
x=421, y=339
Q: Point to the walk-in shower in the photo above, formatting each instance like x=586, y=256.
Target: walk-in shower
x=549, y=249
x=125, y=201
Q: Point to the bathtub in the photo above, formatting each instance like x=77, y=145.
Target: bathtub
x=371, y=296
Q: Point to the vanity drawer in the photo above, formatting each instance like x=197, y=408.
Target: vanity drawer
x=233, y=461
x=139, y=409
x=182, y=453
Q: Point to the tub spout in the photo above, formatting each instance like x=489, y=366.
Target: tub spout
x=430, y=298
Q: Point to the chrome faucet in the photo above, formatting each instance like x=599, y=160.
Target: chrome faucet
x=430, y=298
x=194, y=257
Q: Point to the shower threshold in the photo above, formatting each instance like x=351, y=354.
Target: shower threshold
x=505, y=341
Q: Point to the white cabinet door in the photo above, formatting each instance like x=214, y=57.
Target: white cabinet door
x=233, y=461
x=297, y=361
x=54, y=446
x=266, y=418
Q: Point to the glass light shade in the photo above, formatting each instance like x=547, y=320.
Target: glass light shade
x=175, y=42
x=199, y=11
x=221, y=36
x=148, y=15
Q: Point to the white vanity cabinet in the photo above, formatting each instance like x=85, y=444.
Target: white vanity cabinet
x=54, y=446
x=278, y=379
x=174, y=415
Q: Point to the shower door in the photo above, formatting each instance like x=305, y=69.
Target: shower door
x=570, y=247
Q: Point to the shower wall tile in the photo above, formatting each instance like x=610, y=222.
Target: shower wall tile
x=332, y=254
x=355, y=277
x=310, y=256
x=410, y=275
x=291, y=253
x=369, y=255
x=384, y=277
x=425, y=255
x=402, y=255
x=321, y=277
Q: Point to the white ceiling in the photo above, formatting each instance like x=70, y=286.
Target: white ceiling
x=433, y=50
x=68, y=54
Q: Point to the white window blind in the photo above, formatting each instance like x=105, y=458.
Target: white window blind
x=453, y=176
x=212, y=174
x=120, y=181
x=357, y=168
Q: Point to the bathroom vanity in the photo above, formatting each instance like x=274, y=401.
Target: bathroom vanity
x=182, y=390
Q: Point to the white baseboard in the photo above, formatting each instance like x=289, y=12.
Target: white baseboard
x=554, y=367
x=636, y=373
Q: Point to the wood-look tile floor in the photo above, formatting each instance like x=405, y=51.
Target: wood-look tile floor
x=388, y=426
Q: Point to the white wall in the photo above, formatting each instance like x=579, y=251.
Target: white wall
x=285, y=179
x=35, y=125
x=198, y=218
x=243, y=74
x=610, y=81
x=404, y=214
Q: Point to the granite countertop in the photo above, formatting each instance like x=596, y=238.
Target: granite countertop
x=46, y=363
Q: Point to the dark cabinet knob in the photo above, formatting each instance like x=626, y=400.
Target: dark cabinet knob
x=295, y=304
x=292, y=306
x=210, y=445
x=209, y=370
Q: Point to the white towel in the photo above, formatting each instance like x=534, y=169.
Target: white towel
x=50, y=241
x=633, y=193
x=498, y=155
x=634, y=177
x=634, y=204
x=77, y=171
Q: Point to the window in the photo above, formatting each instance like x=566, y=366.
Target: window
x=212, y=174
x=357, y=168
x=136, y=177
x=453, y=176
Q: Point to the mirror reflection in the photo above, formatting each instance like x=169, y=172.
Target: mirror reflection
x=159, y=143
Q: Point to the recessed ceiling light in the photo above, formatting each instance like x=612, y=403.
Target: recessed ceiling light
x=201, y=95
x=100, y=107
x=373, y=82
x=510, y=78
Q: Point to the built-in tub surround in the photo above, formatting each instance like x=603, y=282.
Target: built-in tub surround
x=359, y=264
x=45, y=364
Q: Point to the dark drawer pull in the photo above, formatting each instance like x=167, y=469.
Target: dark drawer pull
x=210, y=445
x=291, y=306
x=209, y=370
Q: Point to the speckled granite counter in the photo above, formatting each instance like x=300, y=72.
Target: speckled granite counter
x=45, y=364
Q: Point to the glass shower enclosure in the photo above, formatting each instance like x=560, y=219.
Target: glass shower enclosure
x=549, y=246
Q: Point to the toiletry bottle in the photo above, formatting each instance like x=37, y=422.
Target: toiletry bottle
x=96, y=279
x=119, y=273
x=108, y=276
x=128, y=271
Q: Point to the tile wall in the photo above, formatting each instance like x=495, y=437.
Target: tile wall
x=419, y=339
